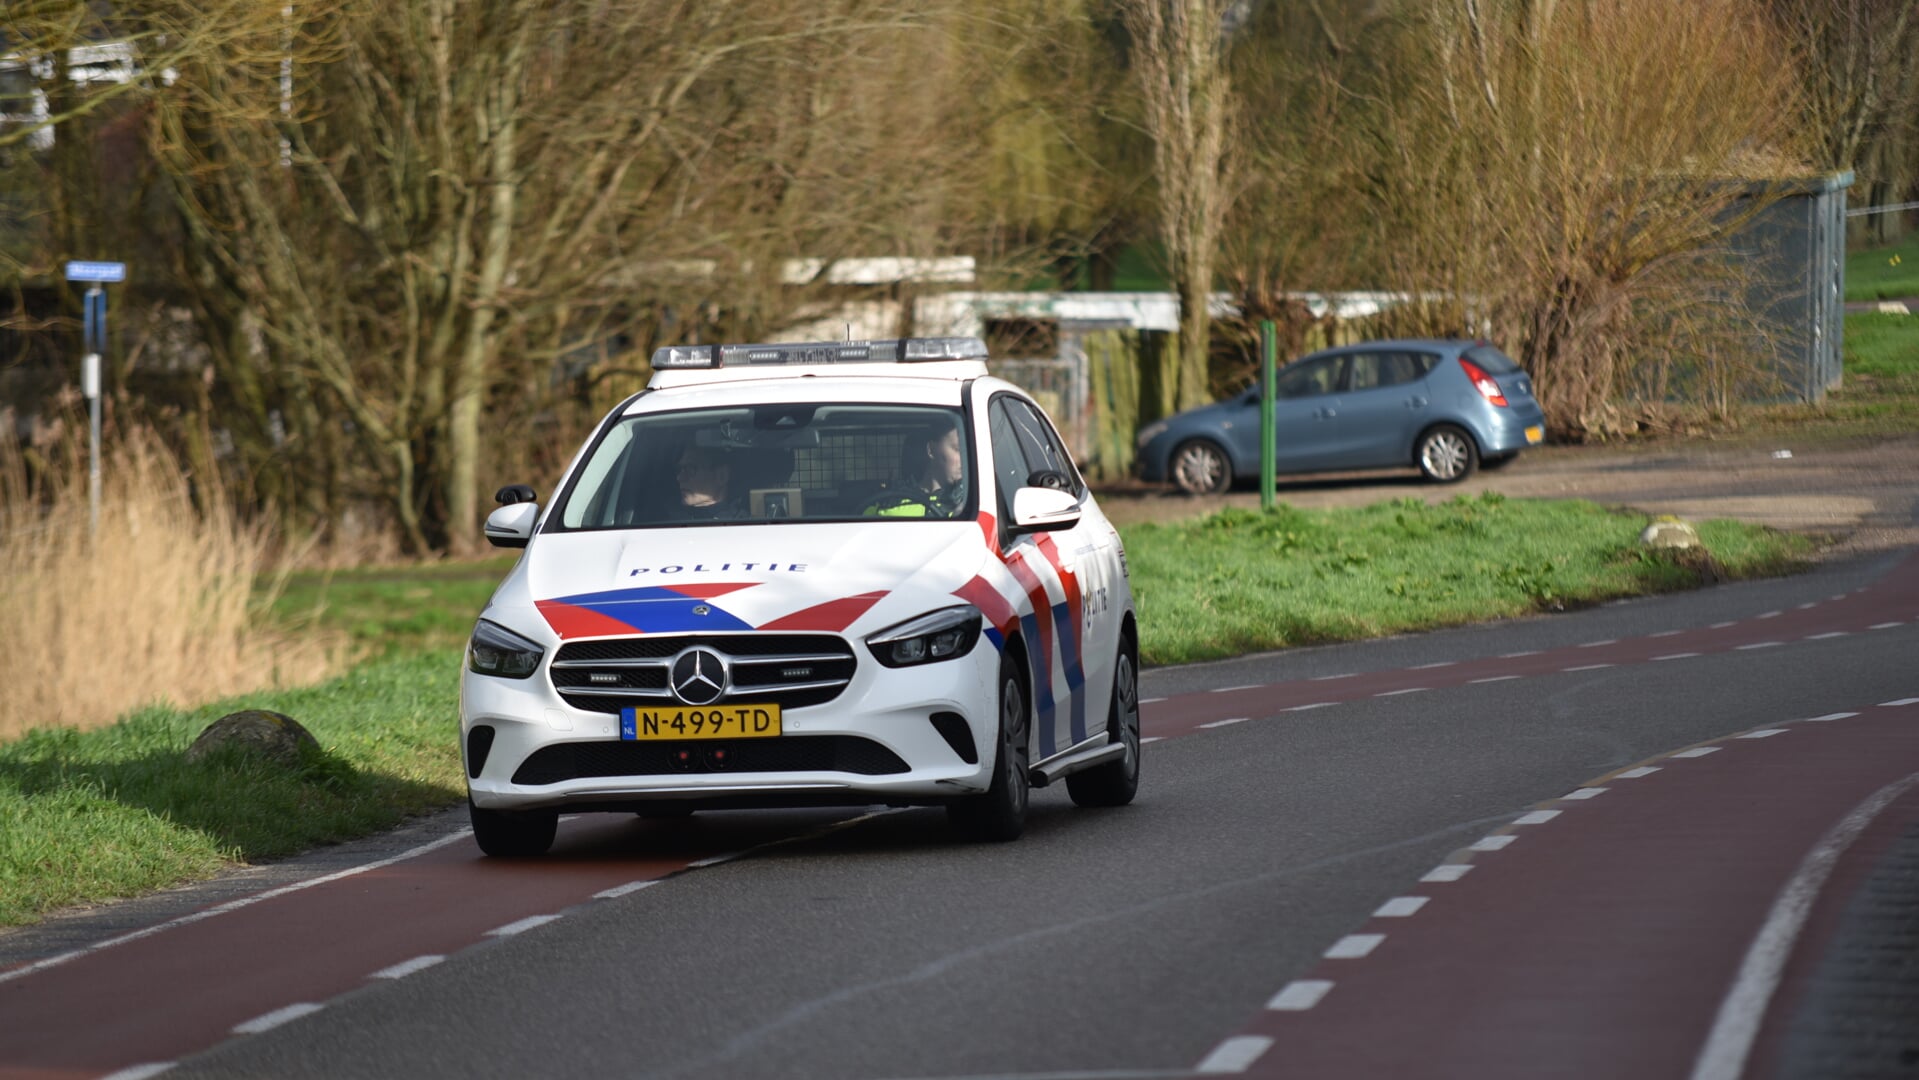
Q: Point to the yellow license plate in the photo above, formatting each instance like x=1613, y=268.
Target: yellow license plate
x=710, y=722
x=1535, y=434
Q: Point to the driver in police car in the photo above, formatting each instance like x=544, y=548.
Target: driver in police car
x=705, y=476
x=932, y=477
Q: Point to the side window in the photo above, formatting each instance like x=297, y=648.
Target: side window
x=1041, y=443
x=1009, y=460
x=1309, y=378
x=1372, y=370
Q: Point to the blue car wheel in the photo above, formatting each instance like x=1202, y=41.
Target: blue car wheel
x=1200, y=467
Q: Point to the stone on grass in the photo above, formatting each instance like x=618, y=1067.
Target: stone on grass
x=1667, y=531
x=277, y=737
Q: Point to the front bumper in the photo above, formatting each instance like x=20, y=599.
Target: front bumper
x=875, y=742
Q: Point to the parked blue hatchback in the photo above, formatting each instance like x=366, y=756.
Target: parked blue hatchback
x=1443, y=407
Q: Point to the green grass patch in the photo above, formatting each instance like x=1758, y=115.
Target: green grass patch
x=1882, y=346
x=393, y=610
x=1887, y=273
x=119, y=811
x=1243, y=581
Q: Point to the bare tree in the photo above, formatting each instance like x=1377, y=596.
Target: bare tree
x=1185, y=87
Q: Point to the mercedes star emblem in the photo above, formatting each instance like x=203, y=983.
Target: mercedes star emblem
x=698, y=676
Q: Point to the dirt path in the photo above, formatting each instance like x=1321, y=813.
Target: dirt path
x=1864, y=492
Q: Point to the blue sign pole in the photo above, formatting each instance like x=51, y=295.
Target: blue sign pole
x=94, y=335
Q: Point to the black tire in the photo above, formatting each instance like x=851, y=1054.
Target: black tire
x=513, y=834
x=1494, y=464
x=1446, y=454
x=1114, y=783
x=1000, y=814
x=1200, y=467
x=666, y=811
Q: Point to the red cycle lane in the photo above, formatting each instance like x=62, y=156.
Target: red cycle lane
x=184, y=986
x=1603, y=937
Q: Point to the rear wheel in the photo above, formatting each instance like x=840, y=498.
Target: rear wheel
x=1447, y=454
x=1000, y=813
x=1201, y=468
x=513, y=833
x=1114, y=783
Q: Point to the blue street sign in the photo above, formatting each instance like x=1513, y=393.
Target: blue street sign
x=96, y=271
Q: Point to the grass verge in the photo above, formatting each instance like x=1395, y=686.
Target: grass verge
x=116, y=811
x=1886, y=273
x=1242, y=581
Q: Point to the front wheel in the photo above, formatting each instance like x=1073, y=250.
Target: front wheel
x=1201, y=468
x=1447, y=454
x=1114, y=783
x=1000, y=813
x=513, y=833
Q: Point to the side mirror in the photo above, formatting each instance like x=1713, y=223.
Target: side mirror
x=1037, y=509
x=511, y=526
x=515, y=493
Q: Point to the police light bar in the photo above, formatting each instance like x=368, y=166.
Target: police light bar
x=888, y=351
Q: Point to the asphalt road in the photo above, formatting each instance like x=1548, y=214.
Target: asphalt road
x=1293, y=805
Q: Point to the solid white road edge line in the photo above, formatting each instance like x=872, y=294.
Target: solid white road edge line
x=231, y=905
x=1724, y=1055
x=1235, y=1055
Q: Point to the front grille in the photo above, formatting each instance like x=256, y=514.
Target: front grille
x=788, y=670
x=787, y=753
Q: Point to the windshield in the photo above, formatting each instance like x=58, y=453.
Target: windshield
x=774, y=463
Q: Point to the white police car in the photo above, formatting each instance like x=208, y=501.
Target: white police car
x=843, y=573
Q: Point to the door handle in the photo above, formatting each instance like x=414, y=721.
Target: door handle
x=1326, y=413
x=1415, y=402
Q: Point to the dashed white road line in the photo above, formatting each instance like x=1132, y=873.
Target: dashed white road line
x=1231, y=689
x=1829, y=716
x=1808, y=605
x=1766, y=734
x=618, y=891
x=1769, y=615
x=714, y=860
x=1758, y=645
x=1152, y=738
x=1597, y=644
x=1885, y=625
x=1354, y=946
x=1330, y=678
x=1723, y=625
x=141, y=1072
x=1300, y=995
x=1150, y=700
x=1536, y=817
x=1634, y=774
x=1235, y=1055
x=521, y=926
x=402, y=970
x=1314, y=705
x=1447, y=872
x=1583, y=793
x=1498, y=678
x=1675, y=656
x=1223, y=723
x=234, y=905
x=1697, y=751
x=1667, y=633
x=1517, y=655
x=277, y=1017
x=1396, y=693
x=1898, y=702
x=1829, y=634
x=1588, y=667
x=1400, y=907
x=1491, y=843
x=1429, y=667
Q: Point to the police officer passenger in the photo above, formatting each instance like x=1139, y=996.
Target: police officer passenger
x=931, y=480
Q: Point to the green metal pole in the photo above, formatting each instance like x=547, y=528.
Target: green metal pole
x=1268, y=432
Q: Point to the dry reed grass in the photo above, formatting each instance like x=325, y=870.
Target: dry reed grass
x=159, y=604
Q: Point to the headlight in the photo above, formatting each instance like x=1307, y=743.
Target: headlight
x=495, y=650
x=937, y=635
x=1150, y=432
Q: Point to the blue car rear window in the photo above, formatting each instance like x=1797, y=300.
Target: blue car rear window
x=1491, y=359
